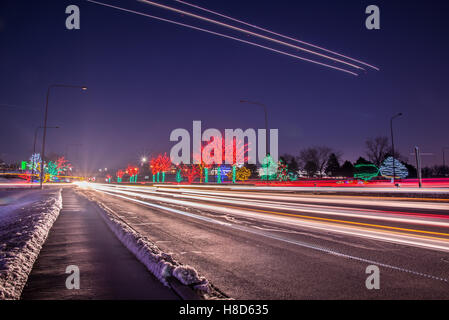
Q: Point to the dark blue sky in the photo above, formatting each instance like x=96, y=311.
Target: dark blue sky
x=147, y=78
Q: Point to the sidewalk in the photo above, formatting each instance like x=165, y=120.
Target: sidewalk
x=107, y=269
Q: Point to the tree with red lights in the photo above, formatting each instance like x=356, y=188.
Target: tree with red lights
x=62, y=165
x=203, y=163
x=154, y=167
x=164, y=164
x=282, y=171
x=120, y=173
x=219, y=143
x=161, y=163
x=132, y=171
x=191, y=172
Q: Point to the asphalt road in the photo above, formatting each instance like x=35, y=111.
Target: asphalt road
x=254, y=245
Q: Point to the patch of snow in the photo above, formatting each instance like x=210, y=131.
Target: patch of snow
x=24, y=227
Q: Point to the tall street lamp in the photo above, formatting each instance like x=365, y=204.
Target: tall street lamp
x=45, y=122
x=392, y=144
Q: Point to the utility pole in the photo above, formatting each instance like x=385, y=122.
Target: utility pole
x=444, y=156
x=45, y=124
x=392, y=145
x=418, y=166
x=34, y=145
x=418, y=156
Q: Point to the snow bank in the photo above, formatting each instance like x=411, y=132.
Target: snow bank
x=24, y=227
x=160, y=264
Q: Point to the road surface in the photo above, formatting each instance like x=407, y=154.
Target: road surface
x=265, y=245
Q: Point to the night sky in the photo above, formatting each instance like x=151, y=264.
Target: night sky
x=147, y=77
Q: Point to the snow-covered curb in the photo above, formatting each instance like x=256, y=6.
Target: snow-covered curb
x=22, y=235
x=160, y=264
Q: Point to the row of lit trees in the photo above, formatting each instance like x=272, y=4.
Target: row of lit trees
x=314, y=161
x=52, y=169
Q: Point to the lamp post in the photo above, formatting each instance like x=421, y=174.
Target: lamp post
x=418, y=166
x=392, y=145
x=35, y=138
x=45, y=122
x=444, y=156
x=266, y=123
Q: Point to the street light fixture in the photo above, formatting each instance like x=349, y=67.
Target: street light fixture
x=392, y=145
x=84, y=88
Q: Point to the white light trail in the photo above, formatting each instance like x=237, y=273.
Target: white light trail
x=277, y=34
x=284, y=239
x=300, y=207
x=374, y=203
x=392, y=189
x=428, y=242
x=250, y=33
x=323, y=249
x=225, y=36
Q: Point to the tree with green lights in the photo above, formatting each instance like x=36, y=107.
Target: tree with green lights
x=366, y=171
x=269, y=169
x=179, y=175
x=52, y=169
